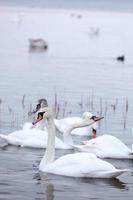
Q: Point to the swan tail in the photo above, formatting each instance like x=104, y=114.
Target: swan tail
x=116, y=173
x=3, y=137
x=9, y=140
x=108, y=174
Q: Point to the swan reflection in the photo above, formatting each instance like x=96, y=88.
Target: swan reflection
x=54, y=186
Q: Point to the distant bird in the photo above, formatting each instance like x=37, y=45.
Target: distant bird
x=94, y=31
x=18, y=18
x=121, y=58
x=79, y=16
x=38, y=43
x=76, y=15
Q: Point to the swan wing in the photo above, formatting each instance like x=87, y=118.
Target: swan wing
x=107, y=146
x=32, y=138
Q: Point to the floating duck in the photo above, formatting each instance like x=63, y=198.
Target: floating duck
x=38, y=44
x=121, y=58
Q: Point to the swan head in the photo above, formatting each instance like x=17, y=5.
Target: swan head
x=87, y=115
x=44, y=112
x=88, y=118
x=43, y=103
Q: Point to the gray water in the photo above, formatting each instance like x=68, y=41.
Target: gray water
x=20, y=179
x=79, y=67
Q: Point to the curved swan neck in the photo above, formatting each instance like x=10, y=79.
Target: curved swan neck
x=67, y=133
x=50, y=150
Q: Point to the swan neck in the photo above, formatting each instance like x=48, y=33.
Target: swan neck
x=50, y=149
x=67, y=136
x=67, y=133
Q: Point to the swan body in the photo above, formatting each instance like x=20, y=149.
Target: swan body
x=73, y=165
x=32, y=138
x=106, y=146
x=82, y=165
x=62, y=124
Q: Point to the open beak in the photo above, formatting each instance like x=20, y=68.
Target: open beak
x=96, y=118
x=39, y=118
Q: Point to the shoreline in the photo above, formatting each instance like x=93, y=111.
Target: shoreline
x=61, y=10
x=40, y=9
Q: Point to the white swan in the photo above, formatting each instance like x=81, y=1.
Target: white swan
x=74, y=165
x=36, y=137
x=62, y=124
x=106, y=146
x=32, y=136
